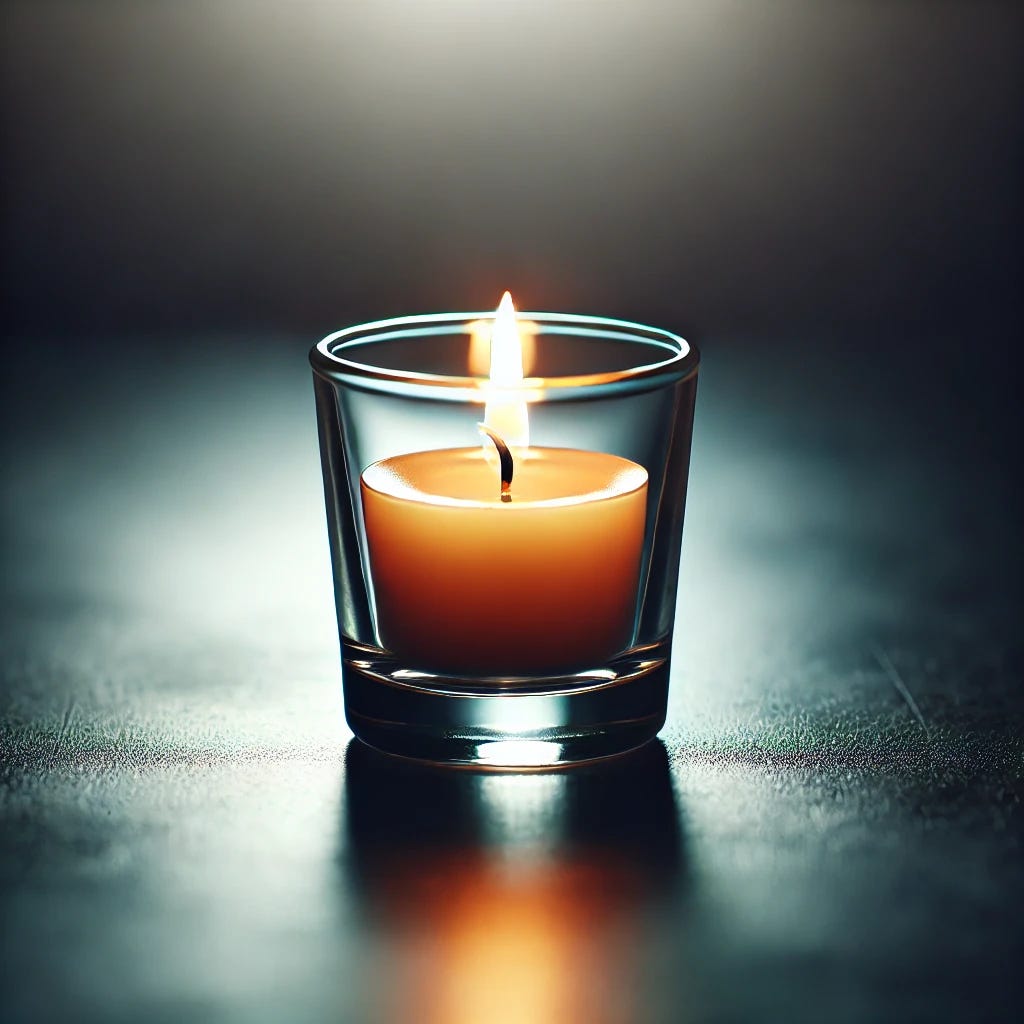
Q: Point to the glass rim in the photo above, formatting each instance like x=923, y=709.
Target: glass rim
x=680, y=361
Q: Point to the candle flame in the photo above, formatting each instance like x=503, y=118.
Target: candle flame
x=479, y=356
x=506, y=348
x=505, y=412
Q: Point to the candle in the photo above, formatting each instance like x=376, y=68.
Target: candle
x=465, y=582
x=526, y=566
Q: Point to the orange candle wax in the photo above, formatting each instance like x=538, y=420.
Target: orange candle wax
x=465, y=583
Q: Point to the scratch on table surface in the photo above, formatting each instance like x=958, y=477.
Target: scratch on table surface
x=65, y=728
x=896, y=679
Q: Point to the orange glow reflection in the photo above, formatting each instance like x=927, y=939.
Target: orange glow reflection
x=514, y=899
x=506, y=943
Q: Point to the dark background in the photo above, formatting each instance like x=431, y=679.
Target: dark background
x=825, y=197
x=733, y=167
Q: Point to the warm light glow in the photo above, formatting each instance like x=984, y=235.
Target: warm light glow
x=506, y=350
x=479, y=361
x=534, y=939
x=505, y=412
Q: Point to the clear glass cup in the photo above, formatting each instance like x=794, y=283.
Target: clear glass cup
x=523, y=633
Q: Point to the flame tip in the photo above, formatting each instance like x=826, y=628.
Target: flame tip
x=507, y=415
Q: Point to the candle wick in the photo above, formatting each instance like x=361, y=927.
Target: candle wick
x=505, y=458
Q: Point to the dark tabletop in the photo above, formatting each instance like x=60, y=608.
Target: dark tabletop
x=830, y=828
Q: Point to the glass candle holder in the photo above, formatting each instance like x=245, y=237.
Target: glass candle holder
x=505, y=625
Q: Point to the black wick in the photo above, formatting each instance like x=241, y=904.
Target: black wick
x=505, y=458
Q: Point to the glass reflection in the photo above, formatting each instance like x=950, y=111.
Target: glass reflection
x=507, y=898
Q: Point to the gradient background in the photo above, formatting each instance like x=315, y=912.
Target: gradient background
x=733, y=167
x=825, y=197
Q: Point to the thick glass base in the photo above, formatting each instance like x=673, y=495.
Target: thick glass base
x=512, y=724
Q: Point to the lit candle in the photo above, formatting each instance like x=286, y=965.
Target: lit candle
x=523, y=565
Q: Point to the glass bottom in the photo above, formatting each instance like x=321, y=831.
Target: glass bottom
x=512, y=724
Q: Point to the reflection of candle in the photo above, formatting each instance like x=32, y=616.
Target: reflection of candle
x=466, y=582
x=526, y=943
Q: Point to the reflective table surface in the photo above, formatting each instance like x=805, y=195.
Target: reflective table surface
x=829, y=828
